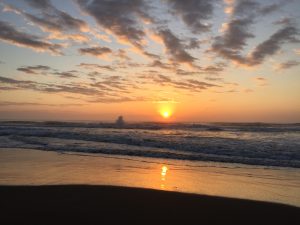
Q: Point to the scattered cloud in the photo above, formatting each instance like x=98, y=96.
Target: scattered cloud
x=58, y=23
x=34, y=69
x=96, y=51
x=67, y=74
x=42, y=69
x=121, y=18
x=10, y=34
x=236, y=33
x=194, y=13
x=283, y=21
x=273, y=44
x=260, y=81
x=174, y=47
x=10, y=103
x=92, y=66
x=191, y=85
x=287, y=65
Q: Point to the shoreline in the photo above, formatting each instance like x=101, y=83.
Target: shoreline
x=37, y=167
x=91, y=204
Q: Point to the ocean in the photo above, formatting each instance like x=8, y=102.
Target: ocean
x=275, y=145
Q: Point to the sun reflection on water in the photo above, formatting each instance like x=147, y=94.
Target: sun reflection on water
x=163, y=173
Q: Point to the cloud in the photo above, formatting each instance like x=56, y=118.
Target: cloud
x=34, y=69
x=50, y=19
x=230, y=45
x=40, y=4
x=287, y=65
x=92, y=66
x=112, y=82
x=260, y=81
x=191, y=85
x=10, y=103
x=119, y=99
x=194, y=13
x=67, y=74
x=121, y=18
x=236, y=33
x=162, y=65
x=174, y=47
x=114, y=88
x=95, y=51
x=13, y=36
x=273, y=44
x=41, y=69
x=283, y=21
x=47, y=87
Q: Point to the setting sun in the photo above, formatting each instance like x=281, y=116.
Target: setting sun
x=166, y=114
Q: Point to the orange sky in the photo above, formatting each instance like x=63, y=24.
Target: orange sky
x=233, y=61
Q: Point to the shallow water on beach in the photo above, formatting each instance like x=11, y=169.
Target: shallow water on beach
x=34, y=167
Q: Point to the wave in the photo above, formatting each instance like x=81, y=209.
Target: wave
x=255, y=148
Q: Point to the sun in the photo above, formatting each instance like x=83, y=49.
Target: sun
x=166, y=114
x=166, y=111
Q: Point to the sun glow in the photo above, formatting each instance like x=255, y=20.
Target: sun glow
x=166, y=110
x=166, y=114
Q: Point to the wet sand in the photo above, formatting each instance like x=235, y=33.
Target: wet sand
x=83, y=204
x=34, y=167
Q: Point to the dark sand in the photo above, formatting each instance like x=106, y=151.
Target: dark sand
x=80, y=204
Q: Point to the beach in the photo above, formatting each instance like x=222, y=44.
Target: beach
x=78, y=188
x=85, y=204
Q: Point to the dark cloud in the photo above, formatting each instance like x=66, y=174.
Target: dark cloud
x=50, y=19
x=95, y=51
x=191, y=85
x=113, y=83
x=193, y=43
x=283, y=21
x=245, y=8
x=49, y=88
x=162, y=65
x=67, y=74
x=237, y=32
x=108, y=88
x=261, y=81
x=287, y=64
x=41, y=69
x=11, y=35
x=235, y=35
x=9, y=103
x=92, y=66
x=34, y=69
x=269, y=47
x=174, y=46
x=213, y=69
x=119, y=99
x=270, y=8
x=122, y=18
x=151, y=55
x=273, y=44
x=194, y=13
x=40, y=4
x=55, y=19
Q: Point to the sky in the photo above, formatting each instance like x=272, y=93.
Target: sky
x=191, y=60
